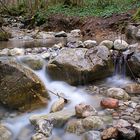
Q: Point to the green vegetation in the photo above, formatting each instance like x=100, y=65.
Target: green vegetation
x=136, y=17
x=38, y=10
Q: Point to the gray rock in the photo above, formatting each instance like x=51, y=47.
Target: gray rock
x=127, y=133
x=90, y=43
x=61, y=34
x=118, y=93
x=58, y=118
x=107, y=43
x=76, y=33
x=91, y=135
x=4, y=52
x=33, y=61
x=137, y=127
x=122, y=123
x=82, y=110
x=138, y=35
x=39, y=136
x=16, y=51
x=120, y=45
x=75, y=67
x=5, y=134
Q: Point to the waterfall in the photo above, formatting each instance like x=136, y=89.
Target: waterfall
x=119, y=59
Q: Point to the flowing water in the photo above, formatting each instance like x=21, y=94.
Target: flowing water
x=20, y=125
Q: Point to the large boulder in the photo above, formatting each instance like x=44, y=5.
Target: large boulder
x=80, y=65
x=20, y=88
x=133, y=88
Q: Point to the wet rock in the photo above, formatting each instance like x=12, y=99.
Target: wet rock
x=126, y=133
x=44, y=127
x=134, y=62
x=20, y=87
x=73, y=66
x=133, y=47
x=75, y=126
x=82, y=110
x=80, y=126
x=132, y=88
x=61, y=34
x=58, y=118
x=92, y=135
x=33, y=61
x=110, y=133
x=39, y=136
x=138, y=34
x=4, y=35
x=107, y=43
x=58, y=105
x=109, y=103
x=46, y=55
x=122, y=123
x=137, y=127
x=75, y=44
x=90, y=43
x=120, y=45
x=45, y=35
x=118, y=93
x=76, y=33
x=16, y=51
x=5, y=134
x=4, y=52
x=92, y=122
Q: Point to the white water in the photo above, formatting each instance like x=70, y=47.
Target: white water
x=20, y=125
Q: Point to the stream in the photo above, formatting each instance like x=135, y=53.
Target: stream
x=19, y=123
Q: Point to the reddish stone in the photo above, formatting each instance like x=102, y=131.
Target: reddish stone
x=109, y=103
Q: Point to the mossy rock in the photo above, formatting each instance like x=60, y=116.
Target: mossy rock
x=4, y=36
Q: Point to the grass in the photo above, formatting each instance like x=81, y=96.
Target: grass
x=92, y=8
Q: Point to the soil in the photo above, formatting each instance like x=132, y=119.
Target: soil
x=91, y=27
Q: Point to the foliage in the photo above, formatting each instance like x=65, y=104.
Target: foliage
x=136, y=16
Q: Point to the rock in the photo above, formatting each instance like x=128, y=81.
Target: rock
x=75, y=44
x=137, y=127
x=61, y=34
x=82, y=110
x=74, y=67
x=75, y=126
x=132, y=88
x=4, y=35
x=5, y=134
x=58, y=105
x=120, y=45
x=127, y=133
x=109, y=103
x=118, y=93
x=20, y=88
x=107, y=43
x=39, y=136
x=133, y=47
x=58, y=118
x=4, y=52
x=45, y=35
x=110, y=133
x=80, y=126
x=44, y=127
x=27, y=38
x=17, y=51
x=138, y=34
x=90, y=43
x=33, y=61
x=92, y=122
x=103, y=52
x=122, y=123
x=91, y=135
x=134, y=62
x=76, y=33
x=45, y=55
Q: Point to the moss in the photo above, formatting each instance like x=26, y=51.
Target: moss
x=136, y=16
x=4, y=36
